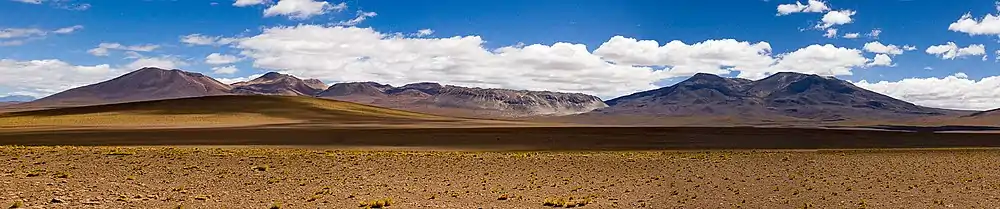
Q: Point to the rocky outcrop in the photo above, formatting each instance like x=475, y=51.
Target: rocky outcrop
x=279, y=84
x=464, y=101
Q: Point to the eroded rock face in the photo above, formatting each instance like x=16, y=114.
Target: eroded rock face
x=456, y=100
x=783, y=94
x=279, y=84
x=140, y=85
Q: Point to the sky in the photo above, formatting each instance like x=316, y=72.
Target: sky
x=929, y=52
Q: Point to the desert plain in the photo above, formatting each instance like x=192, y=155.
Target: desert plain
x=291, y=152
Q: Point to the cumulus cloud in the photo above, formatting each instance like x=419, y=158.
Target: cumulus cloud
x=812, y=6
x=951, y=50
x=851, y=35
x=302, y=9
x=103, y=48
x=243, y=3
x=164, y=62
x=199, y=39
x=221, y=59
x=881, y=60
x=836, y=18
x=954, y=92
x=827, y=60
x=712, y=56
x=878, y=47
x=987, y=25
x=225, y=70
x=362, y=54
x=44, y=77
x=618, y=66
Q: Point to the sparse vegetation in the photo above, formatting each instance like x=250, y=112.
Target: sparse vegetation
x=119, y=152
x=17, y=204
x=201, y=197
x=377, y=203
x=351, y=179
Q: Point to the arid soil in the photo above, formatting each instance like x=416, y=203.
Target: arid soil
x=262, y=177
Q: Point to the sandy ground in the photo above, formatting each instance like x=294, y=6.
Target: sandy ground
x=262, y=177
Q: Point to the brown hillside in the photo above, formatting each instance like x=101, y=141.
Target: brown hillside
x=227, y=110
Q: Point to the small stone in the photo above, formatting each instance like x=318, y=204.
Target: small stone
x=57, y=200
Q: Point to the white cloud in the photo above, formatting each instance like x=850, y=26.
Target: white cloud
x=836, y=18
x=339, y=7
x=878, y=47
x=361, y=17
x=59, y=4
x=851, y=35
x=225, y=70
x=712, y=56
x=951, y=50
x=875, y=33
x=132, y=55
x=830, y=33
x=164, y=62
x=301, y=9
x=881, y=60
x=100, y=52
x=909, y=48
x=29, y=1
x=618, y=66
x=362, y=54
x=813, y=6
x=44, y=77
x=988, y=25
x=928, y=68
x=243, y=3
x=221, y=59
x=103, y=48
x=238, y=79
x=68, y=30
x=954, y=92
x=826, y=60
x=424, y=32
x=199, y=39
x=21, y=32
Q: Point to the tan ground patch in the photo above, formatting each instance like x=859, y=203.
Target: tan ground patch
x=199, y=177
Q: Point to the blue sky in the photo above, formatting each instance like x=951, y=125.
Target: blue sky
x=163, y=23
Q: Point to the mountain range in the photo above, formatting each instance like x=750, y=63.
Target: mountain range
x=158, y=84
x=140, y=85
x=457, y=100
x=15, y=99
x=780, y=96
x=784, y=94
